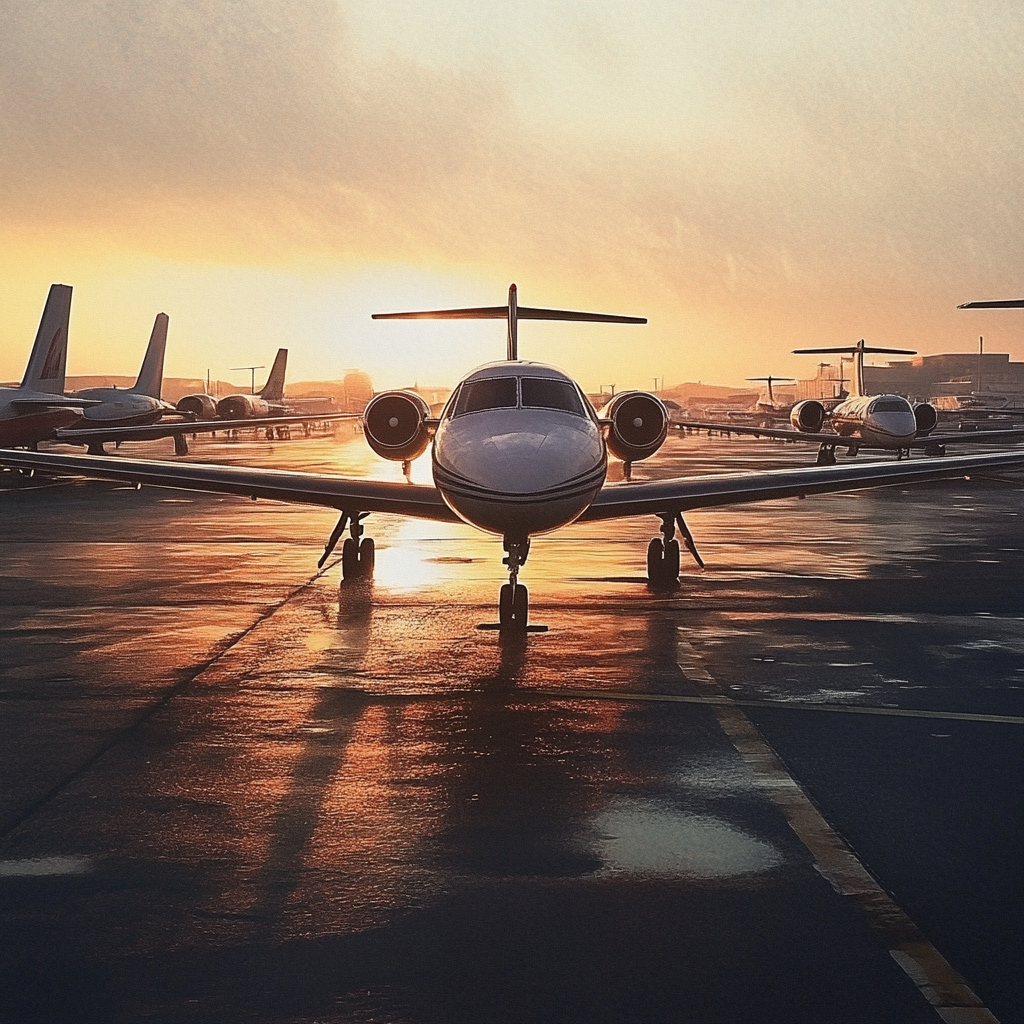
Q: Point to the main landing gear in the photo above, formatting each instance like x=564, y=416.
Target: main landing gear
x=663, y=552
x=826, y=455
x=514, y=599
x=357, y=553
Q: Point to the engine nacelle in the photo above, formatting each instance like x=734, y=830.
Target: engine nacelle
x=926, y=418
x=808, y=416
x=395, y=425
x=202, y=407
x=639, y=425
x=242, y=407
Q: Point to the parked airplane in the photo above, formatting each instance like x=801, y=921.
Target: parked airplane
x=269, y=401
x=886, y=422
x=139, y=404
x=517, y=451
x=31, y=411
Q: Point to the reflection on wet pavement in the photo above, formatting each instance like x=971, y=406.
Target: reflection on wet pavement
x=354, y=805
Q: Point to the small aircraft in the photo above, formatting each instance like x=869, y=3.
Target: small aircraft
x=517, y=451
x=139, y=404
x=886, y=422
x=31, y=411
x=199, y=414
x=269, y=401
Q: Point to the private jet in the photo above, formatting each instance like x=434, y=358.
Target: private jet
x=516, y=452
x=141, y=403
x=883, y=422
x=32, y=410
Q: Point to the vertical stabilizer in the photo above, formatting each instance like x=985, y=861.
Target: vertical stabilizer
x=273, y=390
x=151, y=376
x=512, y=348
x=47, y=364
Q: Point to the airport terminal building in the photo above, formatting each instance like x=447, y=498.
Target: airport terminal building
x=924, y=378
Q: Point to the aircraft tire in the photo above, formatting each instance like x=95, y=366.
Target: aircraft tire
x=520, y=607
x=671, y=563
x=505, y=606
x=655, y=560
x=367, y=556
x=349, y=559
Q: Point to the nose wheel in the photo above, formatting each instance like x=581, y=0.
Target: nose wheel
x=514, y=599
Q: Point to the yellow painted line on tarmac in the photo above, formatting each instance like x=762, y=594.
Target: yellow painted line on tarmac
x=724, y=701
x=936, y=979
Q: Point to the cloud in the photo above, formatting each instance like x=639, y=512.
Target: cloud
x=836, y=158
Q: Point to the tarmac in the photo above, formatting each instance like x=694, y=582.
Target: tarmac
x=235, y=791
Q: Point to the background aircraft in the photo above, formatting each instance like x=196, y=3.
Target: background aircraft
x=31, y=411
x=269, y=401
x=517, y=451
x=885, y=422
x=139, y=404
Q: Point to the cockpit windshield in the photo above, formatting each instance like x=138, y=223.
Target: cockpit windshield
x=511, y=392
x=545, y=393
x=890, y=405
x=490, y=393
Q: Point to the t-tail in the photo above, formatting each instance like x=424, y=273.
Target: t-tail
x=47, y=364
x=273, y=390
x=513, y=313
x=857, y=351
x=151, y=376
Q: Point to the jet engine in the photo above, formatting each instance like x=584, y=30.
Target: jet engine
x=242, y=407
x=639, y=424
x=808, y=416
x=926, y=418
x=395, y=425
x=202, y=407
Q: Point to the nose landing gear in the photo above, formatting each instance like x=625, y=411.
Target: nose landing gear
x=514, y=599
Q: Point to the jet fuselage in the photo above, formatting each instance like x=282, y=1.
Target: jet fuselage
x=518, y=450
x=881, y=421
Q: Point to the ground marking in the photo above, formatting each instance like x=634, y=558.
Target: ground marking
x=936, y=979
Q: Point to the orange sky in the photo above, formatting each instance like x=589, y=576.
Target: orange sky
x=751, y=177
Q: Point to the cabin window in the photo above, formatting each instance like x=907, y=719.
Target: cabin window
x=890, y=405
x=490, y=393
x=544, y=393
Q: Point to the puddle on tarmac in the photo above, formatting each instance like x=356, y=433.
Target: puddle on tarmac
x=45, y=867
x=644, y=837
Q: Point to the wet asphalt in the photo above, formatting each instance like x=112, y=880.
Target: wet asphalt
x=787, y=791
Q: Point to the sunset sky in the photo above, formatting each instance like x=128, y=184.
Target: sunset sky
x=751, y=176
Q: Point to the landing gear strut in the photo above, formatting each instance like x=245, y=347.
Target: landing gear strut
x=514, y=600
x=663, y=552
x=357, y=555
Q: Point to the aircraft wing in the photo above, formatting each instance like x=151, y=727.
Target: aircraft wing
x=424, y=502
x=53, y=402
x=821, y=437
x=661, y=497
x=415, y=500
x=779, y=433
x=155, y=431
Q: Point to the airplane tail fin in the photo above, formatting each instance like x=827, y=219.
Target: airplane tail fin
x=151, y=376
x=48, y=362
x=511, y=312
x=273, y=390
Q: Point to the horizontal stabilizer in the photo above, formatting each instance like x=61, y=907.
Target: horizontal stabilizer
x=854, y=349
x=994, y=304
x=501, y=313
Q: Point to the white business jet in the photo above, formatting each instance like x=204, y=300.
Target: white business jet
x=884, y=422
x=517, y=451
